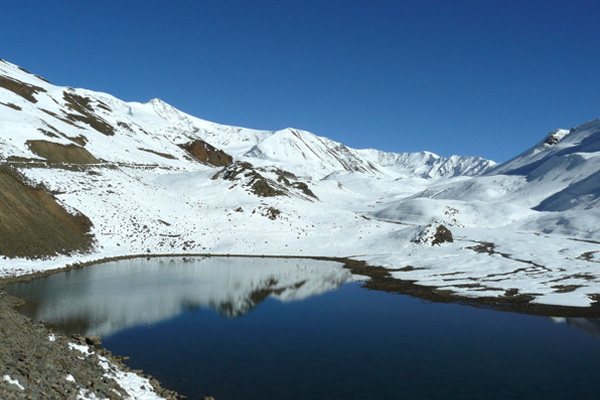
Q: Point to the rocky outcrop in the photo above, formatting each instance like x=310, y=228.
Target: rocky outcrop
x=207, y=153
x=84, y=112
x=434, y=234
x=265, y=182
x=245, y=173
x=23, y=89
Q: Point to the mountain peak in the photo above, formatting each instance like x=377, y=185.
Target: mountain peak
x=165, y=110
x=156, y=101
x=153, y=140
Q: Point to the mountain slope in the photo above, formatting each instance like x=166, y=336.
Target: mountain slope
x=32, y=222
x=154, y=180
x=155, y=132
x=428, y=165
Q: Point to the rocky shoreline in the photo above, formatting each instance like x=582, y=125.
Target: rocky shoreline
x=36, y=363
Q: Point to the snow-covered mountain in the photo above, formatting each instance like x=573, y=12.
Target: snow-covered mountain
x=142, y=178
x=559, y=176
x=566, y=163
x=153, y=133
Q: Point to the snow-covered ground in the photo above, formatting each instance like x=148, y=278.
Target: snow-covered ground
x=137, y=387
x=528, y=226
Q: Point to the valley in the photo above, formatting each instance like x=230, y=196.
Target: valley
x=86, y=177
x=154, y=180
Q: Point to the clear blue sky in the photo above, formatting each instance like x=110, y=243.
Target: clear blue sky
x=487, y=78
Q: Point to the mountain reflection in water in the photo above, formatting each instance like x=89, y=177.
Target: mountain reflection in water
x=107, y=298
x=591, y=326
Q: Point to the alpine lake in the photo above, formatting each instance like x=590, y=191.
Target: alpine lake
x=278, y=328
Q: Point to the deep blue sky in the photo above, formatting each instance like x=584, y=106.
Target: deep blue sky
x=487, y=78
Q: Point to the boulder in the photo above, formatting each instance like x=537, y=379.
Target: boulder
x=93, y=340
x=434, y=234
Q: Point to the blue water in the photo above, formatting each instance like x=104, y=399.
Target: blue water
x=354, y=343
x=358, y=344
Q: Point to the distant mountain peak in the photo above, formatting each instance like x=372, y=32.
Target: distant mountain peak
x=159, y=105
x=70, y=113
x=157, y=102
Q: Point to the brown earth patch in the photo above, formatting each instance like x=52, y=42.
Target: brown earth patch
x=48, y=133
x=60, y=153
x=207, y=153
x=258, y=184
x=262, y=186
x=33, y=224
x=55, y=133
x=587, y=256
x=85, y=113
x=80, y=140
x=126, y=126
x=164, y=155
x=23, y=89
x=511, y=301
x=16, y=159
x=11, y=105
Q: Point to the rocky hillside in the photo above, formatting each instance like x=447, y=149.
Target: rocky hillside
x=61, y=124
x=34, y=224
x=87, y=176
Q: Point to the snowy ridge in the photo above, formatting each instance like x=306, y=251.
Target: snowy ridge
x=145, y=194
x=302, y=149
x=151, y=133
x=582, y=139
x=428, y=165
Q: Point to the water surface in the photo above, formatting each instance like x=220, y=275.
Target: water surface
x=295, y=329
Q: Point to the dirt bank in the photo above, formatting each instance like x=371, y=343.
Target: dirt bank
x=38, y=364
x=33, y=224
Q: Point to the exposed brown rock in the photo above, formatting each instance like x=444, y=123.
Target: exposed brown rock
x=442, y=235
x=207, y=153
x=93, y=340
x=23, y=89
x=60, y=153
x=11, y=105
x=84, y=112
x=158, y=153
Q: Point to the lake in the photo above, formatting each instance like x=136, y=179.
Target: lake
x=265, y=328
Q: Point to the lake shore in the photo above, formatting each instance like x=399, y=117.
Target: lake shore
x=36, y=361
x=376, y=278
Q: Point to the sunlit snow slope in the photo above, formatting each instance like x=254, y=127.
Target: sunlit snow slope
x=152, y=179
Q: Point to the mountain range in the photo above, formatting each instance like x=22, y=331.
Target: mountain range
x=86, y=176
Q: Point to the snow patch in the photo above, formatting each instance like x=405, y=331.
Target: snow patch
x=11, y=381
x=135, y=386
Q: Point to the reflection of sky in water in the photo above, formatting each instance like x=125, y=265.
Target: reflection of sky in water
x=348, y=343
x=353, y=343
x=106, y=298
